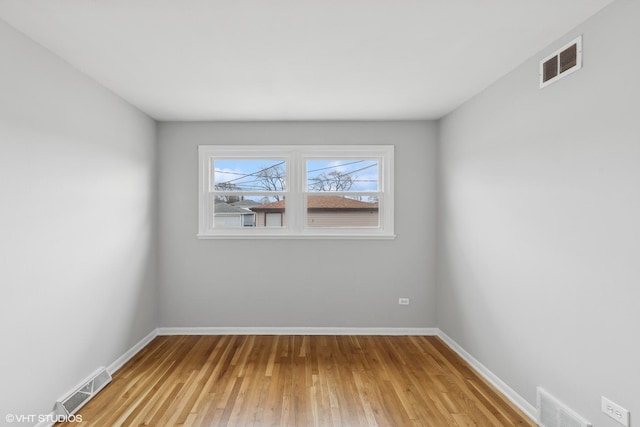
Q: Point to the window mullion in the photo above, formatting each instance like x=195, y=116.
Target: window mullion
x=295, y=203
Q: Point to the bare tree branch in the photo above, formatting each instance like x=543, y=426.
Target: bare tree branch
x=332, y=181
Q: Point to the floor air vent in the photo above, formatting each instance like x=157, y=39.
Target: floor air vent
x=553, y=413
x=83, y=393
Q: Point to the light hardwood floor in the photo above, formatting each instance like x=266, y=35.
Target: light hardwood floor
x=298, y=381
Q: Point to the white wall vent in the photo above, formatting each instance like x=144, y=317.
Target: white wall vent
x=561, y=63
x=553, y=413
x=83, y=393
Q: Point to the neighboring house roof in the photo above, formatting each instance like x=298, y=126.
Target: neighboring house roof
x=227, y=208
x=322, y=202
x=245, y=203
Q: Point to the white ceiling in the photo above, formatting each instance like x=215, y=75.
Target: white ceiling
x=296, y=59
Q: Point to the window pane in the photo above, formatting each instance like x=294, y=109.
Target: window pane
x=342, y=175
x=235, y=211
x=340, y=211
x=249, y=175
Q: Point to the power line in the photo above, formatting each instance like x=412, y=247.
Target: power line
x=336, y=166
x=229, y=173
x=361, y=169
x=250, y=174
x=317, y=180
x=346, y=173
x=245, y=175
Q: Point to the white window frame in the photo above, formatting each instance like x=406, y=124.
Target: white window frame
x=295, y=193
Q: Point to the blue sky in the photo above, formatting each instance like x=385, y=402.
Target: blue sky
x=242, y=173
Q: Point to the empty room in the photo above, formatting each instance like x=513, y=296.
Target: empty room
x=320, y=213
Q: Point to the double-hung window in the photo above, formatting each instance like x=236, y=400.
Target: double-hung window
x=319, y=191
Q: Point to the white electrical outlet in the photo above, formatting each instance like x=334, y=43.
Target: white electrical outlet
x=403, y=301
x=615, y=411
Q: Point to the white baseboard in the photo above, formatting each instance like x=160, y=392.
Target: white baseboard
x=117, y=364
x=492, y=378
x=295, y=331
x=113, y=367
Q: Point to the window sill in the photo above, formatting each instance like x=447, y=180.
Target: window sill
x=296, y=237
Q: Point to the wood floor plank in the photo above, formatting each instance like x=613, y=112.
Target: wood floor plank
x=299, y=381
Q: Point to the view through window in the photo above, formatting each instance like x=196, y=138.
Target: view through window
x=306, y=190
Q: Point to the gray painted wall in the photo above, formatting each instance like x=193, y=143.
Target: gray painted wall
x=539, y=272
x=77, y=257
x=289, y=283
